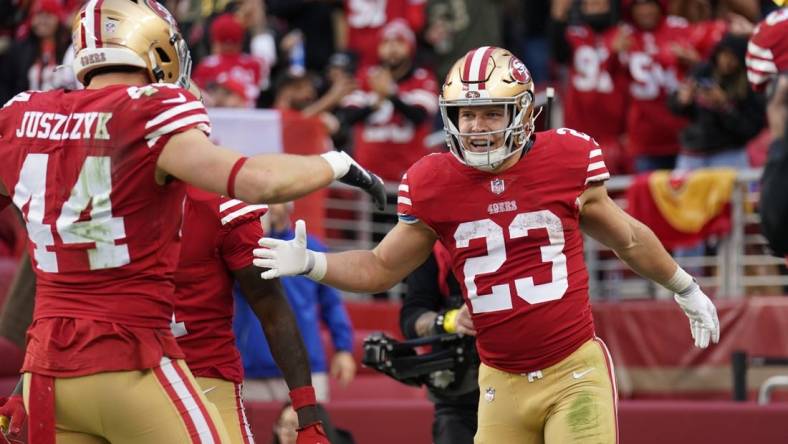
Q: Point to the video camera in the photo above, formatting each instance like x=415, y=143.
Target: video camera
x=443, y=369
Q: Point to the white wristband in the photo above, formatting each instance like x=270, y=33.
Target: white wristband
x=318, y=265
x=680, y=281
x=339, y=162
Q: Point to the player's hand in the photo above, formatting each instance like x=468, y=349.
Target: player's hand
x=348, y=171
x=12, y=416
x=283, y=257
x=312, y=434
x=343, y=367
x=464, y=322
x=702, y=315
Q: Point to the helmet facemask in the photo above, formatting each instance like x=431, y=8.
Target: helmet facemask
x=519, y=113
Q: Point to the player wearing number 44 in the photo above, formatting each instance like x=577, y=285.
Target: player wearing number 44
x=98, y=175
x=511, y=206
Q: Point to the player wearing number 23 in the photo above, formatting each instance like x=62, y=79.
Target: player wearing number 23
x=511, y=206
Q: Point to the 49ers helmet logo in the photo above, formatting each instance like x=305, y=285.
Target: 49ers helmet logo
x=162, y=12
x=518, y=71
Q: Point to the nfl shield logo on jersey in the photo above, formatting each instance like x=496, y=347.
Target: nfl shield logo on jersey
x=497, y=186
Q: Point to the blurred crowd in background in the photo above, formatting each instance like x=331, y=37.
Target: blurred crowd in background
x=658, y=83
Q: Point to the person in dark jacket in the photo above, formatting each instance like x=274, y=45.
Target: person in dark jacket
x=430, y=307
x=725, y=113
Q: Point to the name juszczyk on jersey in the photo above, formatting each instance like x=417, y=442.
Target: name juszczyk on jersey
x=53, y=126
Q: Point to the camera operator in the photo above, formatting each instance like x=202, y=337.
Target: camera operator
x=431, y=307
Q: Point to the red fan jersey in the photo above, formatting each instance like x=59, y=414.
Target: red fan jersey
x=243, y=68
x=80, y=165
x=767, y=52
x=595, y=101
x=219, y=235
x=386, y=142
x=365, y=18
x=4, y=202
x=515, y=243
x=655, y=72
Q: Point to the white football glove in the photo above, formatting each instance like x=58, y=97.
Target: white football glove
x=288, y=257
x=702, y=315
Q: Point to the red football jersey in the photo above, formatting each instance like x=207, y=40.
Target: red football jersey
x=80, y=165
x=515, y=243
x=655, y=72
x=767, y=52
x=365, y=18
x=243, y=68
x=595, y=100
x=219, y=235
x=386, y=142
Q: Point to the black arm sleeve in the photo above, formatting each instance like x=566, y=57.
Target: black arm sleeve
x=559, y=46
x=414, y=113
x=423, y=296
x=352, y=115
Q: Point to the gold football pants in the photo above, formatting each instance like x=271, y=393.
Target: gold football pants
x=159, y=405
x=573, y=401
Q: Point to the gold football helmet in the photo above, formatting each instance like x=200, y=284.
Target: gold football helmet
x=489, y=76
x=138, y=33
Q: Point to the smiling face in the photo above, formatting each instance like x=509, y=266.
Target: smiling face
x=482, y=119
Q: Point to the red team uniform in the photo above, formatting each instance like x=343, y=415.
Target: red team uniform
x=104, y=241
x=767, y=51
x=517, y=251
x=242, y=68
x=654, y=73
x=596, y=98
x=386, y=142
x=219, y=235
x=365, y=19
x=516, y=245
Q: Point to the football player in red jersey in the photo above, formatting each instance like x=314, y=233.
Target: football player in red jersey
x=767, y=69
x=219, y=235
x=98, y=175
x=511, y=206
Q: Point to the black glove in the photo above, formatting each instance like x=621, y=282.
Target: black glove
x=349, y=172
x=369, y=182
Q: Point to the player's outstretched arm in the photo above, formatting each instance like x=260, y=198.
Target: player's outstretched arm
x=639, y=247
x=403, y=249
x=266, y=178
x=269, y=303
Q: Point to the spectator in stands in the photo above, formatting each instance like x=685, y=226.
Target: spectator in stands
x=449, y=32
x=312, y=303
x=32, y=63
x=724, y=112
x=226, y=93
x=654, y=51
x=596, y=93
x=364, y=20
x=228, y=61
x=315, y=20
x=430, y=307
x=393, y=108
x=297, y=92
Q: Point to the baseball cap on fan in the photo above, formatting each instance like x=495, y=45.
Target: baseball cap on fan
x=227, y=29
